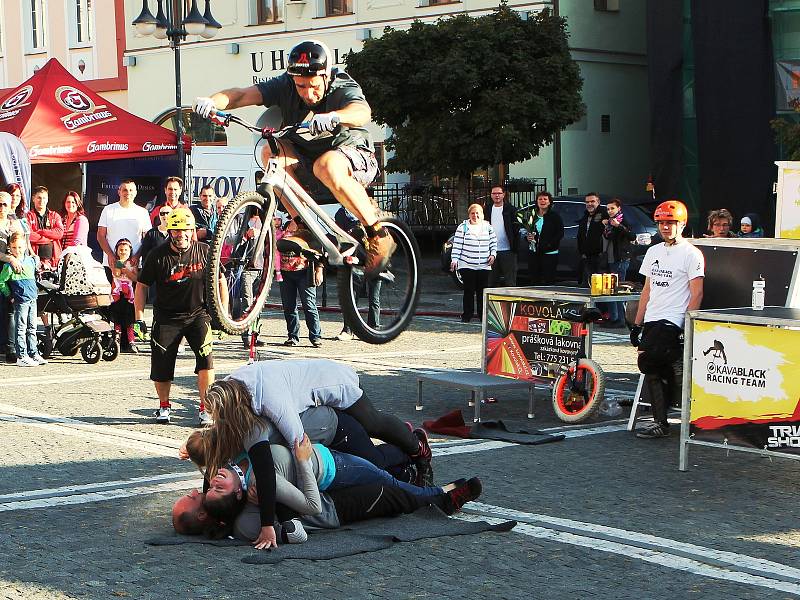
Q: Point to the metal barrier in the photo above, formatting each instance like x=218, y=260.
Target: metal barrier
x=434, y=208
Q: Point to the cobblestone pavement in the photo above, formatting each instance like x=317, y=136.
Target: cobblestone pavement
x=87, y=477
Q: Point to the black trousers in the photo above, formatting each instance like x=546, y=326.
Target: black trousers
x=661, y=360
x=542, y=268
x=592, y=264
x=475, y=280
x=352, y=438
x=373, y=501
x=383, y=426
x=504, y=269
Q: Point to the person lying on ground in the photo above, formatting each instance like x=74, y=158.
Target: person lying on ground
x=279, y=391
x=217, y=512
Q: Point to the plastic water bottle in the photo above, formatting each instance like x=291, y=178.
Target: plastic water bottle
x=759, y=286
x=610, y=407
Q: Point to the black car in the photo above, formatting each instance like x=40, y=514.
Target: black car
x=571, y=208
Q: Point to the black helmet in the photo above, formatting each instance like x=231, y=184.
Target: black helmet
x=309, y=58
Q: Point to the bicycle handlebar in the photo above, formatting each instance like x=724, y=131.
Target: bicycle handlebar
x=224, y=119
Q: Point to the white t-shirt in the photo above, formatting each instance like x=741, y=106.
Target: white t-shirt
x=670, y=268
x=131, y=222
x=500, y=229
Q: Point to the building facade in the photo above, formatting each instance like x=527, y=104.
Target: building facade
x=607, y=151
x=86, y=36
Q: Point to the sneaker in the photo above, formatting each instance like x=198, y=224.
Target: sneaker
x=205, y=419
x=380, y=248
x=293, y=532
x=291, y=342
x=345, y=336
x=38, y=359
x=26, y=361
x=425, y=452
x=130, y=349
x=458, y=497
x=654, y=430
x=11, y=358
x=316, y=343
x=162, y=414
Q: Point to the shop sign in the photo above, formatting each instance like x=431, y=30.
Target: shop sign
x=528, y=339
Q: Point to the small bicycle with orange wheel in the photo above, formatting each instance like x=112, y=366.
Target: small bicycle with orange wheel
x=579, y=387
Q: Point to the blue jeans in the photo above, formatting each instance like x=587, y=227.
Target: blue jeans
x=353, y=470
x=299, y=283
x=372, y=288
x=616, y=310
x=25, y=328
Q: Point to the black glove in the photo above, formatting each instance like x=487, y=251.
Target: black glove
x=636, y=331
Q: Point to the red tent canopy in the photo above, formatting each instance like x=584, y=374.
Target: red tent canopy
x=62, y=121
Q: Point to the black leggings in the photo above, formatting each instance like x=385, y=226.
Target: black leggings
x=352, y=438
x=369, y=501
x=383, y=426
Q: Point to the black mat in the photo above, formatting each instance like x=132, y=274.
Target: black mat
x=358, y=538
x=498, y=430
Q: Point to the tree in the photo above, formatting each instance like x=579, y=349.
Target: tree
x=468, y=92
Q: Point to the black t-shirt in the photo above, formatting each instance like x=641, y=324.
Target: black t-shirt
x=280, y=91
x=152, y=239
x=179, y=280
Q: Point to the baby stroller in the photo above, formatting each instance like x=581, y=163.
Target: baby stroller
x=77, y=303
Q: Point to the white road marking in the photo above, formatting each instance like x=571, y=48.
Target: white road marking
x=74, y=489
x=663, y=558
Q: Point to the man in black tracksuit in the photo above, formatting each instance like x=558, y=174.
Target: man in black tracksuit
x=590, y=239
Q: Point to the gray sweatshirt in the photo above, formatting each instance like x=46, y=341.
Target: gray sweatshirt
x=282, y=389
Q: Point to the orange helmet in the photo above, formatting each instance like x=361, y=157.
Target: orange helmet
x=671, y=210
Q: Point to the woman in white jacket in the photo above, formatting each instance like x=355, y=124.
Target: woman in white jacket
x=474, y=251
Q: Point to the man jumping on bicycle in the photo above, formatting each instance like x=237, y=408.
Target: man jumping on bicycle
x=342, y=159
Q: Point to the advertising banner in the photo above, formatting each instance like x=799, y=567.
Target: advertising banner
x=527, y=339
x=745, y=389
x=787, y=210
x=15, y=166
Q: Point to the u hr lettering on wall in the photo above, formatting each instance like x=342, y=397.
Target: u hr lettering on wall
x=273, y=62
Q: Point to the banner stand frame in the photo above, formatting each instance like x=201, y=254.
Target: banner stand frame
x=772, y=316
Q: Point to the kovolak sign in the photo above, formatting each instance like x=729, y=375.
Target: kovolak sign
x=58, y=119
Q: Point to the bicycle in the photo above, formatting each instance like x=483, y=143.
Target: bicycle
x=579, y=387
x=248, y=258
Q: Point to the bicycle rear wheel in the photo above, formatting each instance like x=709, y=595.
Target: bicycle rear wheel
x=578, y=392
x=234, y=256
x=380, y=309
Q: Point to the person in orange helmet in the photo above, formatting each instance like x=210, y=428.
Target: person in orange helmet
x=674, y=271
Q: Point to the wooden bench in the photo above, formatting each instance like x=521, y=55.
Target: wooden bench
x=478, y=384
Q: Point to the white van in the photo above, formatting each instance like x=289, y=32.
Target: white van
x=227, y=169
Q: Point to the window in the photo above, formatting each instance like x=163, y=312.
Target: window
x=35, y=25
x=268, y=12
x=202, y=131
x=436, y=2
x=83, y=21
x=605, y=123
x=338, y=7
x=606, y=5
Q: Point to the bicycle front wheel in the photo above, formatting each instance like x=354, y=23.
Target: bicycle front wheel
x=578, y=392
x=235, y=256
x=378, y=310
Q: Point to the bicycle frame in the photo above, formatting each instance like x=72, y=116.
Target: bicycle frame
x=293, y=195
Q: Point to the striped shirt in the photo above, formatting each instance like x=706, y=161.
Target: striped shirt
x=472, y=246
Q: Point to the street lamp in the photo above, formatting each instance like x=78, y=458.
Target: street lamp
x=176, y=30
